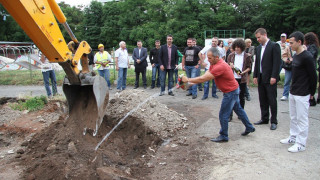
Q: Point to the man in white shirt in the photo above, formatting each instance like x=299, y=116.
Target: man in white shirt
x=48, y=72
x=122, y=65
x=204, y=59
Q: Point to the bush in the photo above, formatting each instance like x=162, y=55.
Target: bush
x=31, y=104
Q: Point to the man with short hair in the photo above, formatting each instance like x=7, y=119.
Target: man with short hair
x=191, y=64
x=194, y=43
x=122, y=65
x=154, y=53
x=204, y=59
x=266, y=75
x=168, y=60
x=102, y=59
x=230, y=40
x=223, y=76
x=139, y=57
x=286, y=56
x=304, y=85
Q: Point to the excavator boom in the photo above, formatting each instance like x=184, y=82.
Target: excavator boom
x=37, y=19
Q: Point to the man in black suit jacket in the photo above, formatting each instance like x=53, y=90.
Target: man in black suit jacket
x=167, y=64
x=266, y=75
x=139, y=56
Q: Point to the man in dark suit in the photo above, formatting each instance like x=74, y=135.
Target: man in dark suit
x=168, y=60
x=266, y=75
x=139, y=56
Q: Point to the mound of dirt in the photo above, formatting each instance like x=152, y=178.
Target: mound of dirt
x=61, y=151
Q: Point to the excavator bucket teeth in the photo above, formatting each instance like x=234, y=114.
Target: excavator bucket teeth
x=87, y=99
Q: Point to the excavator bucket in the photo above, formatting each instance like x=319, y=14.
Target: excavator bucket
x=89, y=99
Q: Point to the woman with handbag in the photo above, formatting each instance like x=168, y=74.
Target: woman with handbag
x=287, y=65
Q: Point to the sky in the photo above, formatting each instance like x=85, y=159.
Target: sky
x=75, y=2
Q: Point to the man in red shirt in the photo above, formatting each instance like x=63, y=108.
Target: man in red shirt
x=223, y=76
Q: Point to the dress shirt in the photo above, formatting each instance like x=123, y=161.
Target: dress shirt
x=169, y=57
x=263, y=47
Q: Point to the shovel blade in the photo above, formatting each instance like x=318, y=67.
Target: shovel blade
x=88, y=102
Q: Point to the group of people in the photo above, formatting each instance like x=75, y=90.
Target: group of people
x=266, y=75
x=229, y=71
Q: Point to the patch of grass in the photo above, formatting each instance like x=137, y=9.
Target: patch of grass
x=30, y=104
x=27, y=77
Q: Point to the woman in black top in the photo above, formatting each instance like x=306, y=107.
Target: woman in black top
x=312, y=43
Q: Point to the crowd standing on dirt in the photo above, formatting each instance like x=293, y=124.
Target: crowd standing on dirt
x=296, y=55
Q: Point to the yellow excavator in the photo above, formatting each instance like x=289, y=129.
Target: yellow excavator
x=37, y=19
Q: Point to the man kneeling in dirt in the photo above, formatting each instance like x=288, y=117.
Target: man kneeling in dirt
x=224, y=79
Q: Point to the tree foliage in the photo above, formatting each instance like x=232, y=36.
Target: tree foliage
x=149, y=20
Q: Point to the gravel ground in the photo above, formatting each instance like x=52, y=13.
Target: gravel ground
x=257, y=156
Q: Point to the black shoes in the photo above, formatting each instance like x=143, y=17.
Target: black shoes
x=260, y=122
x=318, y=101
x=215, y=96
x=171, y=93
x=247, y=132
x=219, y=139
x=145, y=87
x=204, y=98
x=189, y=94
x=194, y=96
x=200, y=89
x=273, y=126
x=136, y=87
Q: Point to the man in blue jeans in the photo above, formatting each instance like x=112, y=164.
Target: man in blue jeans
x=154, y=53
x=48, y=72
x=224, y=78
x=194, y=43
x=122, y=65
x=286, y=56
x=168, y=60
x=102, y=59
x=191, y=64
x=205, y=62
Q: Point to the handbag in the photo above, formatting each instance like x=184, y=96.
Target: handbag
x=287, y=66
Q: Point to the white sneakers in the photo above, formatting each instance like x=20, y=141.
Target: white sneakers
x=284, y=98
x=289, y=140
x=296, y=146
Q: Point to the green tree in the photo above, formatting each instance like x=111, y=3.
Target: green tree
x=74, y=17
x=92, y=22
x=304, y=16
x=9, y=28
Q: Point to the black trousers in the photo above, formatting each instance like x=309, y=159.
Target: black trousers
x=268, y=99
x=144, y=78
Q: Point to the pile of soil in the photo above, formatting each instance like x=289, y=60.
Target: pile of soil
x=17, y=128
x=61, y=151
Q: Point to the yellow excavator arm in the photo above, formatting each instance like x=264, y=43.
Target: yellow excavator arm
x=37, y=19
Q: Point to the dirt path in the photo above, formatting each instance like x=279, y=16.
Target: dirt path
x=257, y=156
x=190, y=154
